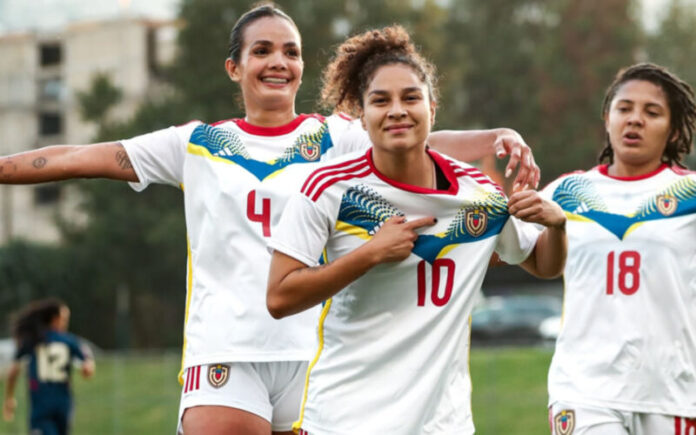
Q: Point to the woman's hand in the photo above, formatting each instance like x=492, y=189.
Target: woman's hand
x=529, y=206
x=395, y=239
x=510, y=143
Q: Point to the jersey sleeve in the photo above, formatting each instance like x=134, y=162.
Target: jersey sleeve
x=517, y=240
x=347, y=134
x=302, y=231
x=158, y=157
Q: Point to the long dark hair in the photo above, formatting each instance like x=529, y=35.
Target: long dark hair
x=680, y=98
x=258, y=11
x=30, y=324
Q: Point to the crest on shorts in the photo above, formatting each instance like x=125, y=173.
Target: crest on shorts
x=666, y=204
x=476, y=221
x=310, y=151
x=218, y=375
x=564, y=422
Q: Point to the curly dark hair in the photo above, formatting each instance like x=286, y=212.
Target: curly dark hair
x=680, y=98
x=259, y=10
x=347, y=76
x=29, y=325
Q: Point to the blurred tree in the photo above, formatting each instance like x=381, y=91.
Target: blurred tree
x=101, y=96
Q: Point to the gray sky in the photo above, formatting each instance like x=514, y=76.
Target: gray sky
x=21, y=15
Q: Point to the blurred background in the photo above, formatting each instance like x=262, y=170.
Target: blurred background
x=78, y=71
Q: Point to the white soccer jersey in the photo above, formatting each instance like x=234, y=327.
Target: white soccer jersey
x=393, y=350
x=236, y=178
x=628, y=340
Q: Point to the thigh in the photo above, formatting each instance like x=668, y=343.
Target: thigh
x=648, y=424
x=573, y=419
x=285, y=381
x=228, y=396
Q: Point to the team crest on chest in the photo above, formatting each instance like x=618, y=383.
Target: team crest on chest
x=476, y=221
x=666, y=204
x=310, y=151
x=564, y=422
x=218, y=374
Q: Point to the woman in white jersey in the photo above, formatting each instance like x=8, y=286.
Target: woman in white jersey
x=408, y=235
x=242, y=371
x=625, y=360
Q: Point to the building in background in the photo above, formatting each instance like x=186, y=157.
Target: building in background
x=40, y=76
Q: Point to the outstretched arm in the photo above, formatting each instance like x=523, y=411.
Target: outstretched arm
x=294, y=287
x=10, y=404
x=470, y=145
x=549, y=255
x=63, y=162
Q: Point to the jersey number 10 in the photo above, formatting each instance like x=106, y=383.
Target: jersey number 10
x=628, y=276
x=441, y=264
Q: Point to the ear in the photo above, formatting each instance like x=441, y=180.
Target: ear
x=232, y=71
x=362, y=121
x=433, y=110
x=606, y=122
x=676, y=134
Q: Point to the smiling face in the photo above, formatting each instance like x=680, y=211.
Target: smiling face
x=270, y=67
x=638, y=125
x=397, y=111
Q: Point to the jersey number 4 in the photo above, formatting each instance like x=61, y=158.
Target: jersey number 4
x=439, y=298
x=628, y=267
x=52, y=362
x=264, y=218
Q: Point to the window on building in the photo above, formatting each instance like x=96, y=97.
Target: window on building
x=51, y=54
x=50, y=124
x=51, y=89
x=46, y=194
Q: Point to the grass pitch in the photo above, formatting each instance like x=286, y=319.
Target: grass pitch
x=140, y=394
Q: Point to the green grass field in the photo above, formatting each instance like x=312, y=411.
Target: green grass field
x=140, y=394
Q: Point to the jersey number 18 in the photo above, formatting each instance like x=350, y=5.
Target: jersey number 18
x=628, y=267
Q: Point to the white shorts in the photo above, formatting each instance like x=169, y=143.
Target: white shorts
x=271, y=390
x=569, y=419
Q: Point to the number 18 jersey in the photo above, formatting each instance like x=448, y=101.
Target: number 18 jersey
x=628, y=339
x=393, y=351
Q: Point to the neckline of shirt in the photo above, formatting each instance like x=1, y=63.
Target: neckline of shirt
x=604, y=170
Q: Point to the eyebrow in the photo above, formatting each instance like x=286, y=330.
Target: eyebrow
x=403, y=91
x=651, y=104
x=266, y=42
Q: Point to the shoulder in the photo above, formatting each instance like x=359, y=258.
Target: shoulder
x=464, y=172
x=349, y=166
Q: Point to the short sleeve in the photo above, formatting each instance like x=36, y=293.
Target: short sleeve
x=302, y=231
x=517, y=240
x=347, y=134
x=158, y=157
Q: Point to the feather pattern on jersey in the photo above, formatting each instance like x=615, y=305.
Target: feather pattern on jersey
x=684, y=191
x=576, y=194
x=223, y=145
x=362, y=206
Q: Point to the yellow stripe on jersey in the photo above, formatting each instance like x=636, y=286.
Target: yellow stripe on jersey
x=632, y=228
x=352, y=230
x=189, y=290
x=576, y=217
x=198, y=150
x=320, y=332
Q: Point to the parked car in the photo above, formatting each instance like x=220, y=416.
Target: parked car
x=504, y=320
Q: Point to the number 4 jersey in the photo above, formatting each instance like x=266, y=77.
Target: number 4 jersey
x=236, y=178
x=628, y=339
x=393, y=351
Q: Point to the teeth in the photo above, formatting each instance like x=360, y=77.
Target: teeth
x=275, y=80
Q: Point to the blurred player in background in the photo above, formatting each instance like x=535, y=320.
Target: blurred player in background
x=408, y=236
x=42, y=340
x=625, y=360
x=242, y=370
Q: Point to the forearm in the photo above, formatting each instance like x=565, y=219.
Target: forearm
x=63, y=162
x=11, y=382
x=465, y=145
x=549, y=256
x=305, y=287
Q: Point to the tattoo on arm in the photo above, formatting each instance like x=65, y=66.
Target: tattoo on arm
x=123, y=160
x=7, y=168
x=39, y=162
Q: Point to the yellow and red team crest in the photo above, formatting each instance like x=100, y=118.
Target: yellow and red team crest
x=666, y=204
x=564, y=422
x=218, y=375
x=310, y=151
x=476, y=221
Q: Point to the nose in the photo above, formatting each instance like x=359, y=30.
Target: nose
x=277, y=60
x=635, y=118
x=396, y=110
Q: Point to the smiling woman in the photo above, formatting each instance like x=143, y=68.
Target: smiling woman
x=408, y=235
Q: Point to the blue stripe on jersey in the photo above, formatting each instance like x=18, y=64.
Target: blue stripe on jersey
x=578, y=196
x=227, y=145
x=364, y=208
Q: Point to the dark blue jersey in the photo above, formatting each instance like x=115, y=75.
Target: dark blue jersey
x=50, y=364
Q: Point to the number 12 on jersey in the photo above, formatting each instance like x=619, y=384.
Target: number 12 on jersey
x=625, y=270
